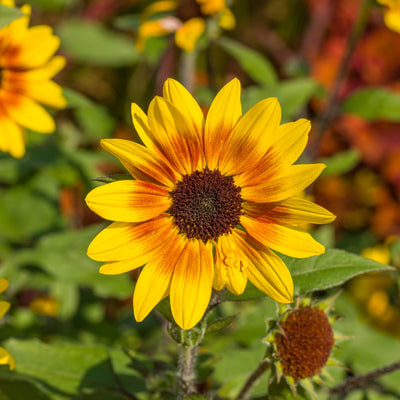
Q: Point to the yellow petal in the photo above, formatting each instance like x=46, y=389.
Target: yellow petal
x=47, y=92
x=291, y=241
x=232, y=264
x=191, y=284
x=224, y=112
x=288, y=183
x=3, y=285
x=38, y=46
x=139, y=259
x=226, y=19
x=6, y=358
x=8, y=3
x=178, y=95
x=290, y=141
x=27, y=112
x=128, y=201
x=12, y=139
x=142, y=163
x=159, y=7
x=155, y=279
x=122, y=241
x=211, y=7
x=141, y=124
x=47, y=71
x=266, y=270
x=292, y=211
x=4, y=306
x=392, y=19
x=188, y=34
x=251, y=137
x=120, y=267
x=15, y=33
x=174, y=136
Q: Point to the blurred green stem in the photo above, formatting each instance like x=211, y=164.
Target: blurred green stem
x=188, y=69
x=331, y=109
x=187, y=374
x=253, y=378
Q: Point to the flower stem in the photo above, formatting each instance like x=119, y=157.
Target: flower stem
x=253, y=378
x=361, y=381
x=188, y=68
x=187, y=373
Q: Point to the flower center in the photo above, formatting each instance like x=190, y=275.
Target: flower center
x=306, y=344
x=205, y=205
x=188, y=9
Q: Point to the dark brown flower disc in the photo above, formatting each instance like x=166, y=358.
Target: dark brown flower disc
x=206, y=204
x=306, y=344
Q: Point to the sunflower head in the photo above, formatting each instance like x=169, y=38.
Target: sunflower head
x=301, y=343
x=27, y=65
x=211, y=198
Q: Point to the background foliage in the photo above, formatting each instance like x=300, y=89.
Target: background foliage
x=71, y=329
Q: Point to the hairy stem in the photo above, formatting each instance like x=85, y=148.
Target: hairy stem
x=187, y=373
x=252, y=379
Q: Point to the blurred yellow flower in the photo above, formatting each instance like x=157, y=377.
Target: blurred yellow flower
x=379, y=253
x=188, y=22
x=211, y=197
x=27, y=66
x=391, y=14
x=45, y=305
x=5, y=357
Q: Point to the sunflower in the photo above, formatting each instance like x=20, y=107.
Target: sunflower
x=211, y=197
x=26, y=68
x=301, y=342
x=5, y=357
x=188, y=22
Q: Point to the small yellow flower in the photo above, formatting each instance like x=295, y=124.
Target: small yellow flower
x=5, y=357
x=45, y=305
x=391, y=14
x=211, y=197
x=188, y=23
x=26, y=68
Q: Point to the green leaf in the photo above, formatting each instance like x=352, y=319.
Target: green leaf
x=196, y=397
x=327, y=270
x=8, y=15
x=17, y=221
x=67, y=295
x=96, y=121
x=252, y=62
x=341, y=163
x=374, y=103
x=251, y=293
x=54, y=5
x=293, y=95
x=91, y=43
x=66, y=370
x=219, y=324
x=63, y=256
x=14, y=388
